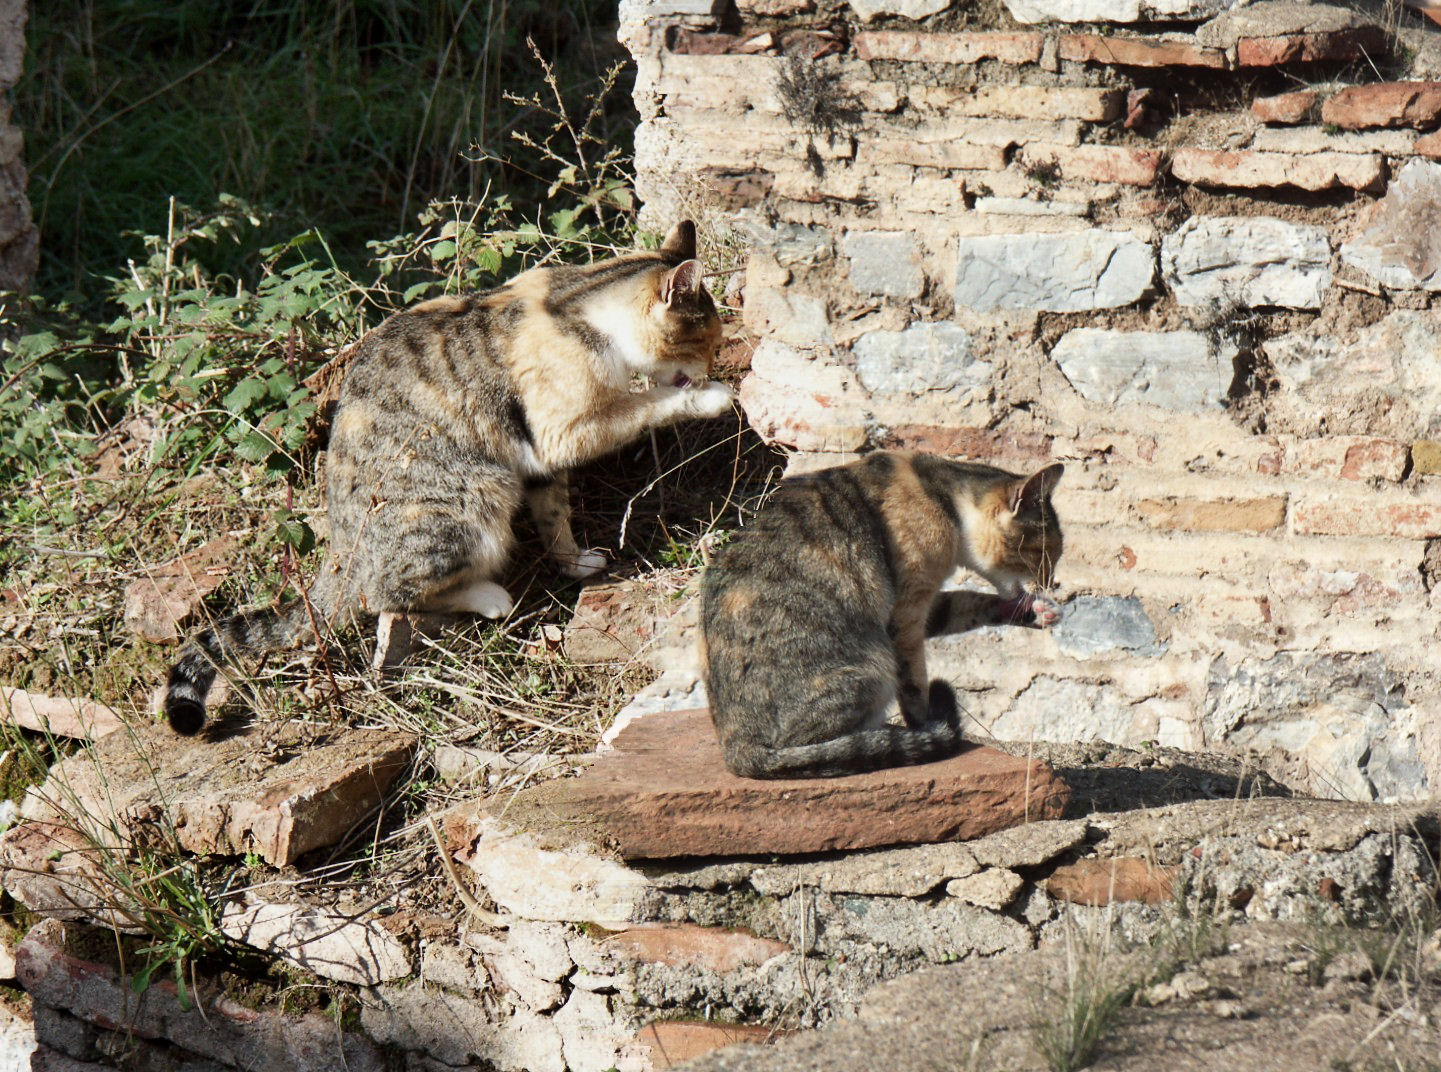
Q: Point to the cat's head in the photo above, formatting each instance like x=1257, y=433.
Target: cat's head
x=1024, y=542
x=677, y=327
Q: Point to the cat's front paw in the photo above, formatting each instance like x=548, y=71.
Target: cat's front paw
x=583, y=565
x=1029, y=608
x=711, y=400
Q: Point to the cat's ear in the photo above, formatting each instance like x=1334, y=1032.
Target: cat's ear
x=1028, y=496
x=681, y=282
x=680, y=242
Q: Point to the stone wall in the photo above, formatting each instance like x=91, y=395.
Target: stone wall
x=18, y=238
x=1190, y=251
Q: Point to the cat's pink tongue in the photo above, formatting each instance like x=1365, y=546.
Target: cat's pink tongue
x=1044, y=611
x=681, y=380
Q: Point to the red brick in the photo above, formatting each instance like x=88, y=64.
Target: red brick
x=694, y=43
x=1138, y=51
x=1385, y=104
x=775, y=8
x=1247, y=169
x=948, y=48
x=674, y=1042
x=980, y=444
x=1201, y=515
x=1103, y=882
x=1365, y=517
x=1098, y=163
x=1377, y=459
x=1429, y=146
x=1285, y=107
x=810, y=44
x=1349, y=458
x=684, y=945
x=1350, y=44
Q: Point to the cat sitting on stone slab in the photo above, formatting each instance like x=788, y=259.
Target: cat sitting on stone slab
x=453, y=412
x=814, y=619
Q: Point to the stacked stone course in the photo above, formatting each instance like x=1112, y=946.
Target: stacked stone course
x=1190, y=249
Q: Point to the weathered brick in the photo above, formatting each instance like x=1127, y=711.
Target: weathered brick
x=1313, y=139
x=959, y=155
x=1366, y=517
x=979, y=444
x=775, y=8
x=1428, y=146
x=1349, y=458
x=1426, y=457
x=1165, y=51
x=685, y=945
x=1292, y=107
x=1097, y=163
x=1331, y=45
x=948, y=48
x=1026, y=102
x=1103, y=882
x=1245, y=169
x=737, y=187
x=1201, y=515
x=1385, y=104
x=671, y=1043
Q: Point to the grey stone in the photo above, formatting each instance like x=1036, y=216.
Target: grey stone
x=1099, y=625
x=702, y=877
x=1276, y=18
x=1059, y=709
x=993, y=888
x=543, y=947
x=460, y=1031
x=1113, y=10
x=542, y=884
x=1183, y=371
x=946, y=930
x=907, y=9
x=329, y=944
x=913, y=871
x=884, y=262
x=1339, y=724
x=1054, y=273
x=1029, y=845
x=1256, y=261
x=1402, y=249
x=1384, y=379
x=512, y=973
x=590, y=1038
x=923, y=357
x=17, y=1040
x=789, y=243
x=794, y=319
x=452, y=967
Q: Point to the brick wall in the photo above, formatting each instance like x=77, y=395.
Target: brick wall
x=1192, y=252
x=18, y=239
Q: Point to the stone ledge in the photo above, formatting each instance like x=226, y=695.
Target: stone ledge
x=665, y=792
x=1013, y=48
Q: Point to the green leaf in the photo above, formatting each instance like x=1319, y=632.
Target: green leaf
x=244, y=394
x=255, y=446
x=442, y=251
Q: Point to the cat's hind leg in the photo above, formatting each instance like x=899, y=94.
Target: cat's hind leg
x=549, y=504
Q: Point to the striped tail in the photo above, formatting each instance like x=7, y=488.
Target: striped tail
x=857, y=753
x=247, y=634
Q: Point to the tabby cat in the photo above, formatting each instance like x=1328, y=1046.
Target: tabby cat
x=814, y=619
x=453, y=412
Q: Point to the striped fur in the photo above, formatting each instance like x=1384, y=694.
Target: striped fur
x=459, y=409
x=814, y=619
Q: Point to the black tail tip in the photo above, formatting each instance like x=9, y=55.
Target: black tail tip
x=186, y=717
x=941, y=701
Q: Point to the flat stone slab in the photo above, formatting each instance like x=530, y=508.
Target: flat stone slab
x=225, y=796
x=665, y=792
x=62, y=716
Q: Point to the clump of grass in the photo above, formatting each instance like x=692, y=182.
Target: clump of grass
x=1075, y=1014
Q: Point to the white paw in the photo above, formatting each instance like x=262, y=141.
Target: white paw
x=586, y=564
x=487, y=599
x=711, y=400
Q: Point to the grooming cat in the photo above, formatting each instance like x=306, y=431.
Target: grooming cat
x=814, y=619
x=453, y=412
